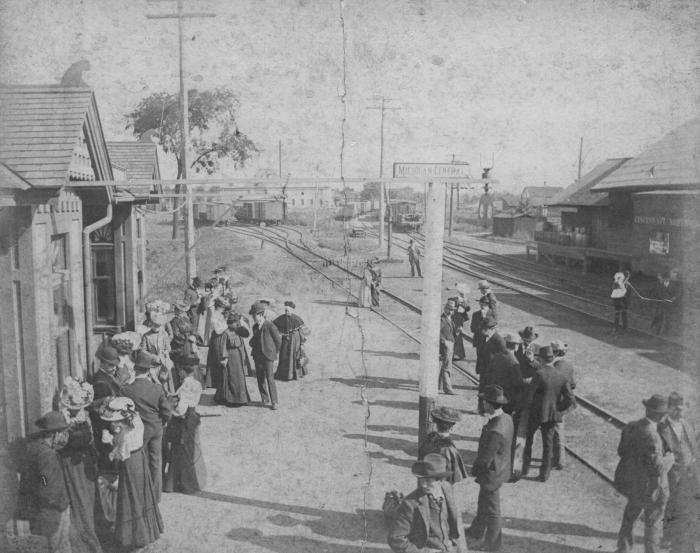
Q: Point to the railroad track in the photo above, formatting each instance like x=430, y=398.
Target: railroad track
x=588, y=433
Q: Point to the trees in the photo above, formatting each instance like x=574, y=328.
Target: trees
x=214, y=132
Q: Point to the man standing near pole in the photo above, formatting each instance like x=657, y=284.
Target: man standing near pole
x=414, y=258
x=447, y=348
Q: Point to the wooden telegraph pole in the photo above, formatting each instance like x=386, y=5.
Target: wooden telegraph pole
x=382, y=207
x=190, y=257
x=431, y=306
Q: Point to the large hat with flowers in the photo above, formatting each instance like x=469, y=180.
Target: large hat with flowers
x=126, y=342
x=119, y=409
x=76, y=394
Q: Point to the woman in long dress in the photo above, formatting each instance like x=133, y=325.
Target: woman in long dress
x=227, y=362
x=185, y=471
x=290, y=325
x=138, y=520
x=79, y=464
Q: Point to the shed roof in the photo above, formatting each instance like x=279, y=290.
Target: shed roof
x=139, y=159
x=40, y=128
x=671, y=163
x=10, y=180
x=579, y=193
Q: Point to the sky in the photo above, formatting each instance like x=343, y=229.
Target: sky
x=516, y=81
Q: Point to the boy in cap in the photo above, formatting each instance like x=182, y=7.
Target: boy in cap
x=155, y=410
x=492, y=469
x=641, y=475
x=428, y=519
x=439, y=441
x=43, y=498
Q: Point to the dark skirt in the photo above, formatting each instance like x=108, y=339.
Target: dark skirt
x=80, y=475
x=231, y=387
x=288, y=367
x=138, y=517
x=185, y=471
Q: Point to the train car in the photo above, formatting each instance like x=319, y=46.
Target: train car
x=270, y=212
x=207, y=213
x=347, y=211
x=404, y=216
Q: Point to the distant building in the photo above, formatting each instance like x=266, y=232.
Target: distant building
x=536, y=199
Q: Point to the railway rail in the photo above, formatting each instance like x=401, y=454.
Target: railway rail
x=589, y=435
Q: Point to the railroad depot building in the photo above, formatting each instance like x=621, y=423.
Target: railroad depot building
x=641, y=213
x=71, y=250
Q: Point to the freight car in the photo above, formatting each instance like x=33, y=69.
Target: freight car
x=210, y=213
x=353, y=209
x=404, y=216
x=270, y=212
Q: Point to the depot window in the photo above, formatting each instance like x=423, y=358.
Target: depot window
x=659, y=243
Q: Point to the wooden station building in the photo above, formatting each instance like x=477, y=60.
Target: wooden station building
x=72, y=261
x=640, y=213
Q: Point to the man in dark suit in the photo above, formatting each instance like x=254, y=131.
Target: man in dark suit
x=565, y=367
x=492, y=469
x=478, y=339
x=551, y=397
x=679, y=437
x=505, y=372
x=525, y=353
x=447, y=347
x=155, y=410
x=641, y=476
x=428, y=518
x=265, y=345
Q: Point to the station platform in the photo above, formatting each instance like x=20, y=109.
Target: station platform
x=584, y=255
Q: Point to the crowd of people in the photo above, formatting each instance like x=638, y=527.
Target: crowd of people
x=525, y=388
x=97, y=466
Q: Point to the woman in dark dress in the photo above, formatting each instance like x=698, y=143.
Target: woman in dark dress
x=138, y=521
x=79, y=464
x=290, y=325
x=227, y=361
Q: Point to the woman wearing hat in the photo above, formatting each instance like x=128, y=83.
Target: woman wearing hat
x=138, y=521
x=79, y=464
x=185, y=471
x=226, y=361
x=485, y=289
x=43, y=499
x=192, y=296
x=439, y=441
x=157, y=342
x=290, y=326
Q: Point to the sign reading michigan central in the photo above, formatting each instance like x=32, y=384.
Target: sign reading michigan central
x=431, y=170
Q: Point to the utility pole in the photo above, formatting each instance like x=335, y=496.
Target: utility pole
x=382, y=208
x=190, y=257
x=431, y=306
x=580, y=156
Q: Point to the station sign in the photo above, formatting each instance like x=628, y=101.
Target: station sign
x=431, y=170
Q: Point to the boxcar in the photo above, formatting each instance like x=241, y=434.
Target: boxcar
x=269, y=212
x=404, y=216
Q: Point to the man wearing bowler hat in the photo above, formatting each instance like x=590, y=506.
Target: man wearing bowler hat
x=525, y=353
x=43, y=498
x=447, y=347
x=564, y=366
x=492, y=469
x=428, y=519
x=439, y=441
x=478, y=339
x=551, y=397
x=265, y=345
x=155, y=410
x=641, y=476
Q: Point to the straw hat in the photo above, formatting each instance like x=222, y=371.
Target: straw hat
x=76, y=395
x=119, y=409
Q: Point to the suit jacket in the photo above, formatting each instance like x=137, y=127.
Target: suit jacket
x=475, y=327
x=640, y=474
x=505, y=372
x=492, y=466
x=447, y=328
x=266, y=341
x=151, y=404
x=565, y=367
x=409, y=532
x=105, y=385
x=528, y=367
x=673, y=444
x=552, y=395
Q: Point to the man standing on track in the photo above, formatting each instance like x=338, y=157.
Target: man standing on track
x=414, y=258
x=641, y=476
x=565, y=367
x=492, y=469
x=447, y=347
x=265, y=345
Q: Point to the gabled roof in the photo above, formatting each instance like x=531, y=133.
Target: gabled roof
x=39, y=130
x=579, y=193
x=671, y=163
x=140, y=159
x=540, y=195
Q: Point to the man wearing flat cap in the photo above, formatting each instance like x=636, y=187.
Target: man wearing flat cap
x=492, y=469
x=428, y=519
x=447, y=347
x=43, y=499
x=155, y=410
x=439, y=441
x=551, y=397
x=642, y=476
x=265, y=345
